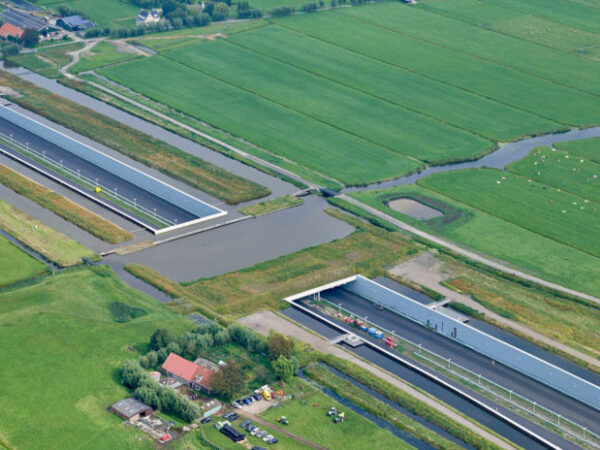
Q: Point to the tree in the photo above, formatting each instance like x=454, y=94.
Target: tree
x=160, y=338
x=30, y=37
x=283, y=368
x=220, y=12
x=229, y=380
x=279, y=345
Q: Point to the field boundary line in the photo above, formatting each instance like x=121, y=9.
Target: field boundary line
x=468, y=253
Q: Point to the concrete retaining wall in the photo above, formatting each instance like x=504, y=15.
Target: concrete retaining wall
x=507, y=354
x=148, y=183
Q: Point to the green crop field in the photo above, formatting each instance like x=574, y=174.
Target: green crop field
x=15, y=264
x=371, y=93
x=545, y=210
x=65, y=350
x=584, y=148
x=106, y=13
x=475, y=229
x=562, y=170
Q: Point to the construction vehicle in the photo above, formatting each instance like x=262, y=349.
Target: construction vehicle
x=283, y=420
x=340, y=417
x=266, y=394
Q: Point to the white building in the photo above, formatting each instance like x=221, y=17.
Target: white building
x=148, y=17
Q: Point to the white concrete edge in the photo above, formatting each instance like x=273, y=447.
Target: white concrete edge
x=118, y=162
x=321, y=288
x=434, y=378
x=189, y=223
x=487, y=335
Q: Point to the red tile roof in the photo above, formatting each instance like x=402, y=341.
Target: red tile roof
x=10, y=30
x=181, y=367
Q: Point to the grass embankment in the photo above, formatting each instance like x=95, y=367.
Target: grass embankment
x=135, y=144
x=258, y=209
x=486, y=233
x=572, y=321
x=407, y=401
x=16, y=265
x=53, y=245
x=61, y=329
x=63, y=207
x=367, y=251
x=359, y=397
x=307, y=415
x=102, y=54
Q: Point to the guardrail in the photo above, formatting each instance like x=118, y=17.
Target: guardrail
x=520, y=402
x=85, y=180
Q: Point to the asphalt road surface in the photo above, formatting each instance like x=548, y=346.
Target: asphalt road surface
x=478, y=363
x=442, y=393
x=89, y=170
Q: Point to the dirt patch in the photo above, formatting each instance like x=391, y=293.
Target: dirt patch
x=414, y=208
x=6, y=90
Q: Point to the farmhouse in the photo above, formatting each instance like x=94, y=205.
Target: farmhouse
x=131, y=409
x=194, y=376
x=8, y=30
x=75, y=23
x=23, y=20
x=148, y=17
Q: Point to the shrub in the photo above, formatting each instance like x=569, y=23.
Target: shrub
x=310, y=7
x=124, y=313
x=283, y=11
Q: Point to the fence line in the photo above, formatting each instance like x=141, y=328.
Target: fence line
x=532, y=407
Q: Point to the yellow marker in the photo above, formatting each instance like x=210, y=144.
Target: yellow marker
x=97, y=189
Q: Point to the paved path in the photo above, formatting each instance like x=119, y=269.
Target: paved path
x=432, y=278
x=265, y=321
x=467, y=253
x=262, y=421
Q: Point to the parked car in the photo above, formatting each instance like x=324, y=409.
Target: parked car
x=273, y=441
x=332, y=411
x=268, y=437
x=227, y=415
x=245, y=424
x=256, y=397
x=255, y=431
x=236, y=404
x=233, y=417
x=261, y=434
x=206, y=420
x=256, y=447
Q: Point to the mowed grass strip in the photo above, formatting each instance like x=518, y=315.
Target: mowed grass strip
x=548, y=211
x=62, y=330
x=394, y=84
x=101, y=54
x=271, y=126
x=139, y=146
x=258, y=209
x=518, y=89
x=63, y=207
x=373, y=119
x=453, y=34
x=490, y=235
x=563, y=170
x=53, y=245
x=16, y=265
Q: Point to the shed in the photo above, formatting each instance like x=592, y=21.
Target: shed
x=75, y=23
x=131, y=409
x=211, y=407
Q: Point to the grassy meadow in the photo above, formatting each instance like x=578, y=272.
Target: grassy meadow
x=102, y=54
x=48, y=242
x=106, y=13
x=372, y=93
x=489, y=234
x=16, y=265
x=65, y=349
x=583, y=148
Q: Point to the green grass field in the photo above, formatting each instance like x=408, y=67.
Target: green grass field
x=258, y=209
x=102, y=54
x=53, y=245
x=311, y=422
x=584, y=148
x=548, y=211
x=15, y=264
x=350, y=92
x=106, y=13
x=488, y=234
x=65, y=350
x=562, y=170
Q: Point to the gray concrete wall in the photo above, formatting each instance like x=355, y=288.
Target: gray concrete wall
x=501, y=351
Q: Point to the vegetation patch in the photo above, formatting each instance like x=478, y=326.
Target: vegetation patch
x=125, y=313
x=102, y=54
x=52, y=330
x=63, y=207
x=53, y=245
x=135, y=144
x=258, y=209
x=584, y=148
x=16, y=265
